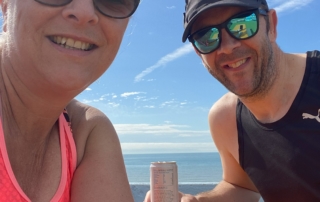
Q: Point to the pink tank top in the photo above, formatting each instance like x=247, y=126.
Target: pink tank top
x=10, y=191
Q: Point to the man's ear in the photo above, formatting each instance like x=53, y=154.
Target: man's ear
x=273, y=21
x=4, y=4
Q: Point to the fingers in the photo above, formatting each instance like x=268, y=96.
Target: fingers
x=188, y=198
x=183, y=197
x=148, y=197
x=180, y=195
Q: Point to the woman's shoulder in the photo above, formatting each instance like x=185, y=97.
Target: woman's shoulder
x=89, y=123
x=81, y=113
x=99, y=157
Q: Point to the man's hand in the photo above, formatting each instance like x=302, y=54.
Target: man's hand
x=188, y=198
x=148, y=197
x=183, y=197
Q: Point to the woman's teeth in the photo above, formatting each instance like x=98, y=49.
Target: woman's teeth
x=70, y=43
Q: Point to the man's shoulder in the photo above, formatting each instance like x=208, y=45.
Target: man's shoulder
x=222, y=115
x=225, y=105
x=223, y=127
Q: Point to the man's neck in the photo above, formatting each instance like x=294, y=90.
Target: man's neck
x=276, y=102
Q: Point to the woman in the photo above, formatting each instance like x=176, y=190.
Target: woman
x=54, y=148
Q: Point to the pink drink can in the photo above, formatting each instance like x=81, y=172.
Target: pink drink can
x=164, y=182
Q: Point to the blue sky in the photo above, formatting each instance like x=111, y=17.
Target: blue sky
x=157, y=93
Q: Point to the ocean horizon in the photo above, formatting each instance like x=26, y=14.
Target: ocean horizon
x=193, y=168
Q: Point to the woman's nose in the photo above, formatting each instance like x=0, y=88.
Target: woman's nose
x=81, y=12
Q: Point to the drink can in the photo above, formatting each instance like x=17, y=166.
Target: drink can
x=164, y=182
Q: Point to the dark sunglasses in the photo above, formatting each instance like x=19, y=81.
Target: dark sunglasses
x=241, y=26
x=111, y=8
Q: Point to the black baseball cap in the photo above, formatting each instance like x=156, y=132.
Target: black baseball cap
x=194, y=8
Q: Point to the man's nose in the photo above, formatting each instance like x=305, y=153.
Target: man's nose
x=228, y=43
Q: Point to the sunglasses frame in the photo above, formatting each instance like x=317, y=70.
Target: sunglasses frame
x=137, y=2
x=223, y=25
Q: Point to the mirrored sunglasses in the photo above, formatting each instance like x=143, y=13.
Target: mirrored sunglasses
x=111, y=8
x=241, y=26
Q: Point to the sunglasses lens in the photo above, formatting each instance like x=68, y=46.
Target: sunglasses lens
x=117, y=8
x=111, y=8
x=206, y=40
x=243, y=26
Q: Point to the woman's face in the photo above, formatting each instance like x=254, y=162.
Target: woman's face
x=65, y=47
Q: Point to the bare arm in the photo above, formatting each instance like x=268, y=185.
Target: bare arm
x=224, y=191
x=236, y=185
x=100, y=174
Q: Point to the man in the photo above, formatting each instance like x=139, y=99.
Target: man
x=266, y=128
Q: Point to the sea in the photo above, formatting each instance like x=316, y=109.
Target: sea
x=194, y=168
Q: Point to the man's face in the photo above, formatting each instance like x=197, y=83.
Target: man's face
x=245, y=67
x=33, y=34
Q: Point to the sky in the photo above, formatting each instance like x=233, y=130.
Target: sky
x=157, y=92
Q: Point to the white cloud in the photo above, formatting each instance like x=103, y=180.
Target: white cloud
x=85, y=101
x=173, y=104
x=164, y=60
x=93, y=100
x=157, y=129
x=125, y=95
x=88, y=89
x=171, y=7
x=285, y=5
x=113, y=104
x=101, y=98
x=138, y=148
x=149, y=106
x=139, y=98
x=170, y=103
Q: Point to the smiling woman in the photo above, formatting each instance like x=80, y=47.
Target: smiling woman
x=54, y=148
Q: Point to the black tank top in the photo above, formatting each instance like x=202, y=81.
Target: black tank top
x=283, y=158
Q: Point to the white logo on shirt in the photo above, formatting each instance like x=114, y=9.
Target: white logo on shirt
x=309, y=116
